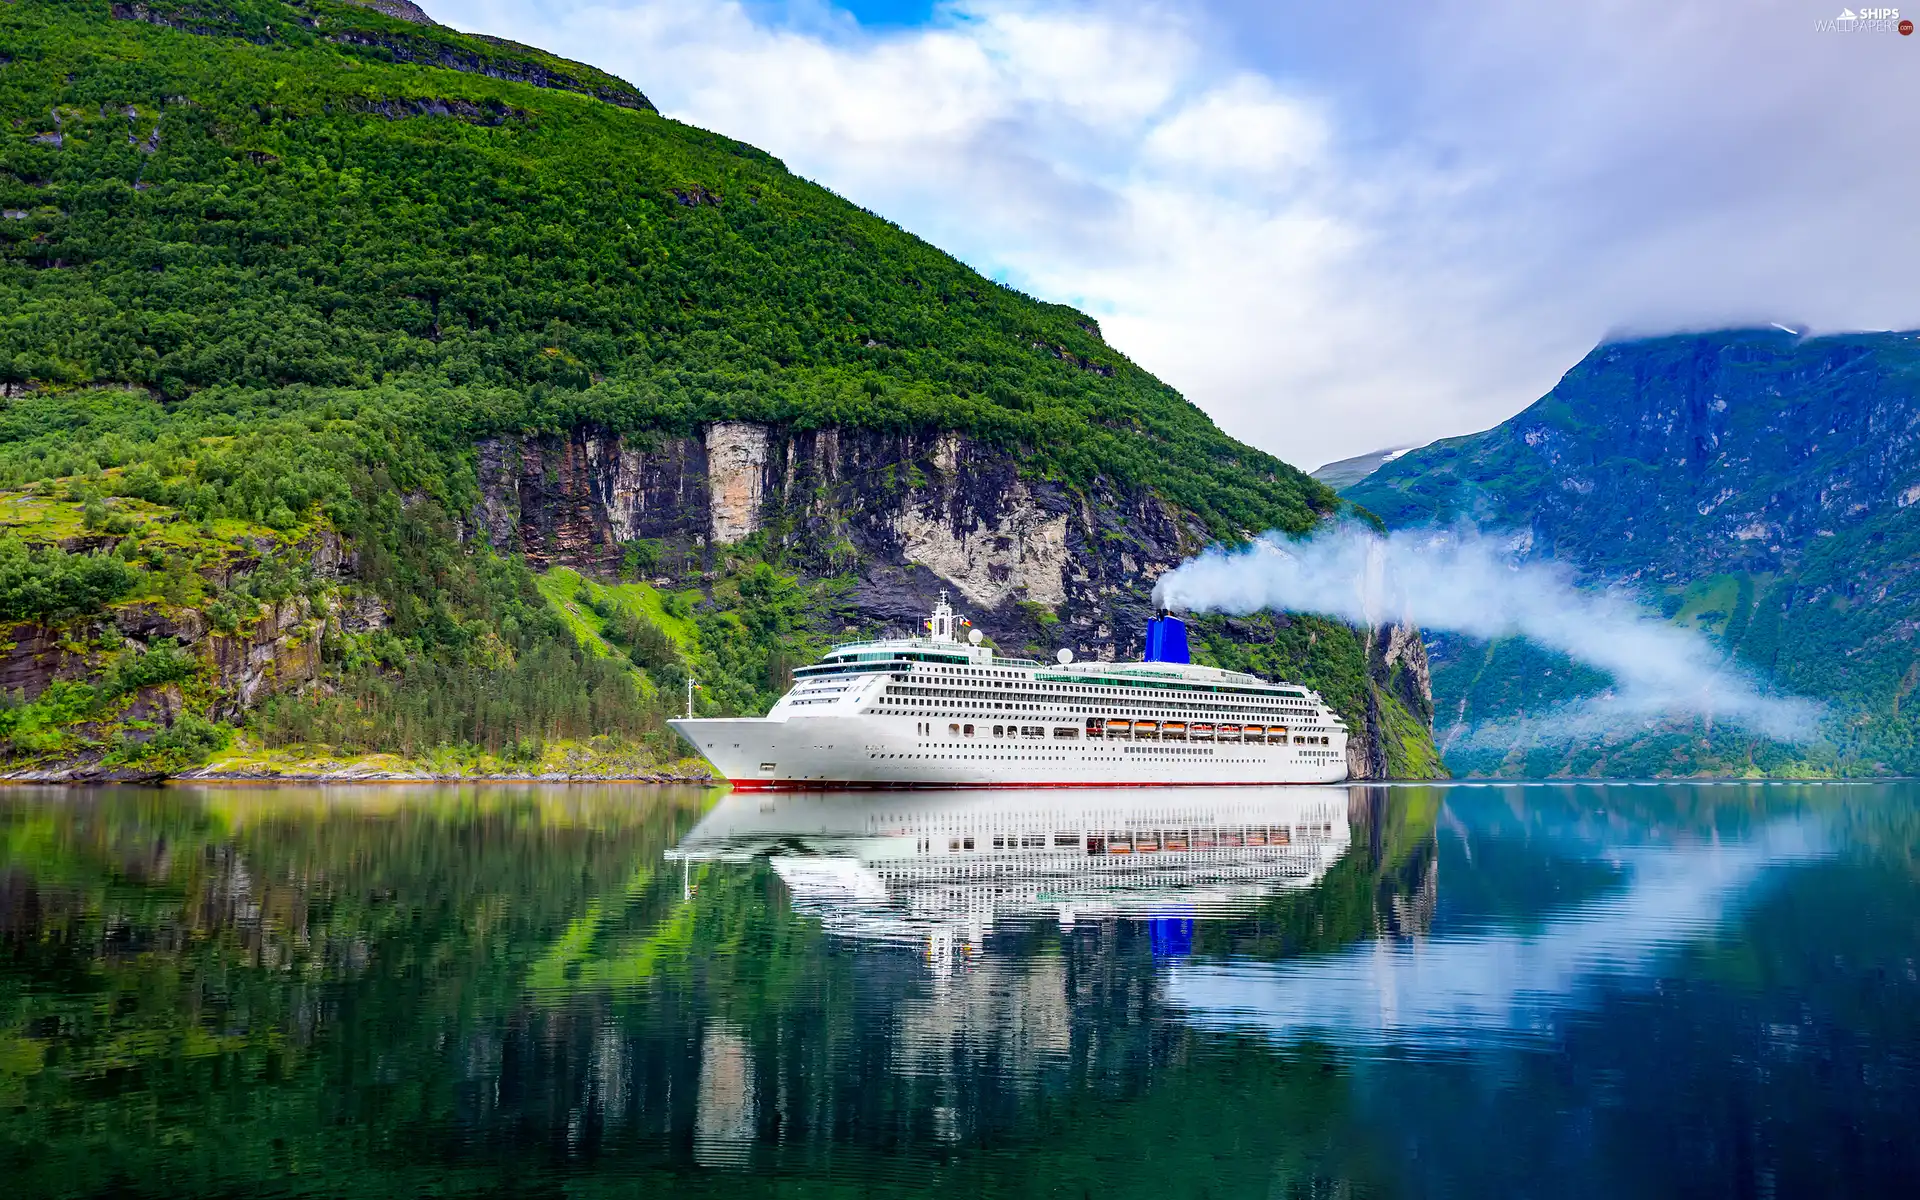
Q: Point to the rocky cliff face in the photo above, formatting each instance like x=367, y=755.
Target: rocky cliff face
x=914, y=514
x=1037, y=564
x=400, y=10
x=1753, y=485
x=1396, y=667
x=273, y=648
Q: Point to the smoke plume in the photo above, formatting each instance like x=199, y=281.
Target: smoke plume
x=1468, y=583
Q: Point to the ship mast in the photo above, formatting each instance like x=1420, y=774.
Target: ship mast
x=940, y=624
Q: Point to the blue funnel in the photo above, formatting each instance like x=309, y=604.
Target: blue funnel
x=1167, y=639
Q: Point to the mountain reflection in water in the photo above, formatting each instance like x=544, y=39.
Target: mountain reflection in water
x=595, y=989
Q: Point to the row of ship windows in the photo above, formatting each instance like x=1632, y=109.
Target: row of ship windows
x=934, y=696
x=1102, y=689
x=1209, y=752
x=1097, y=729
x=1112, y=715
x=1144, y=840
x=1136, y=694
x=980, y=757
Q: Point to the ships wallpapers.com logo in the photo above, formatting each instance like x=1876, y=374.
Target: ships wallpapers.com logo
x=1867, y=20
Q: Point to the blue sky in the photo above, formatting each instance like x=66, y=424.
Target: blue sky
x=1335, y=227
x=886, y=14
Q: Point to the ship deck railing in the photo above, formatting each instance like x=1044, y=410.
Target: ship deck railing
x=931, y=644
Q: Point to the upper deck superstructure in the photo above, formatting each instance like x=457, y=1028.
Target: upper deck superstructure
x=946, y=710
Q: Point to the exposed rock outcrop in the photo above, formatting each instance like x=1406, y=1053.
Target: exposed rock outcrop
x=736, y=471
x=509, y=61
x=32, y=656
x=279, y=650
x=913, y=513
x=1040, y=565
x=403, y=10
x=273, y=649
x=1396, y=667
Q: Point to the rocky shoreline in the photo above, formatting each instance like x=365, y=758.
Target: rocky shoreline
x=352, y=776
x=95, y=773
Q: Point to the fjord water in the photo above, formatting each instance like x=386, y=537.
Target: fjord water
x=600, y=990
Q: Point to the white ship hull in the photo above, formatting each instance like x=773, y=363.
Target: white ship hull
x=774, y=753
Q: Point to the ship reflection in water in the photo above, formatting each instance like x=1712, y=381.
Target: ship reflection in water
x=589, y=991
x=938, y=869
x=1044, y=923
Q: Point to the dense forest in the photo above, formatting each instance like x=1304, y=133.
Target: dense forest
x=269, y=270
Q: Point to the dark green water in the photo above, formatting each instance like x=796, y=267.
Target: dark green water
x=587, y=991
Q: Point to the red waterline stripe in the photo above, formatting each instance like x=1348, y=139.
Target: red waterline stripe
x=813, y=785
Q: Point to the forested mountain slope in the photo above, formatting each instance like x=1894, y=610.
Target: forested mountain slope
x=373, y=386
x=1754, y=485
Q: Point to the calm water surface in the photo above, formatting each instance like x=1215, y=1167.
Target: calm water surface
x=587, y=991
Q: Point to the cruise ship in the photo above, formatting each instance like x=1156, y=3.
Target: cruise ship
x=944, y=710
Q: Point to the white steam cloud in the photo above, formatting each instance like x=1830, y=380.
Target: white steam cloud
x=1468, y=583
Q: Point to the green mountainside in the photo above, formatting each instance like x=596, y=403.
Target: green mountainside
x=206, y=212
x=283, y=285
x=1750, y=484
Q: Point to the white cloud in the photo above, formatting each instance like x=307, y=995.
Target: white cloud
x=1243, y=130
x=1334, y=228
x=1468, y=583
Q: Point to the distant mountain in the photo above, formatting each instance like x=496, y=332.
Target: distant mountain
x=1348, y=471
x=1755, y=485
